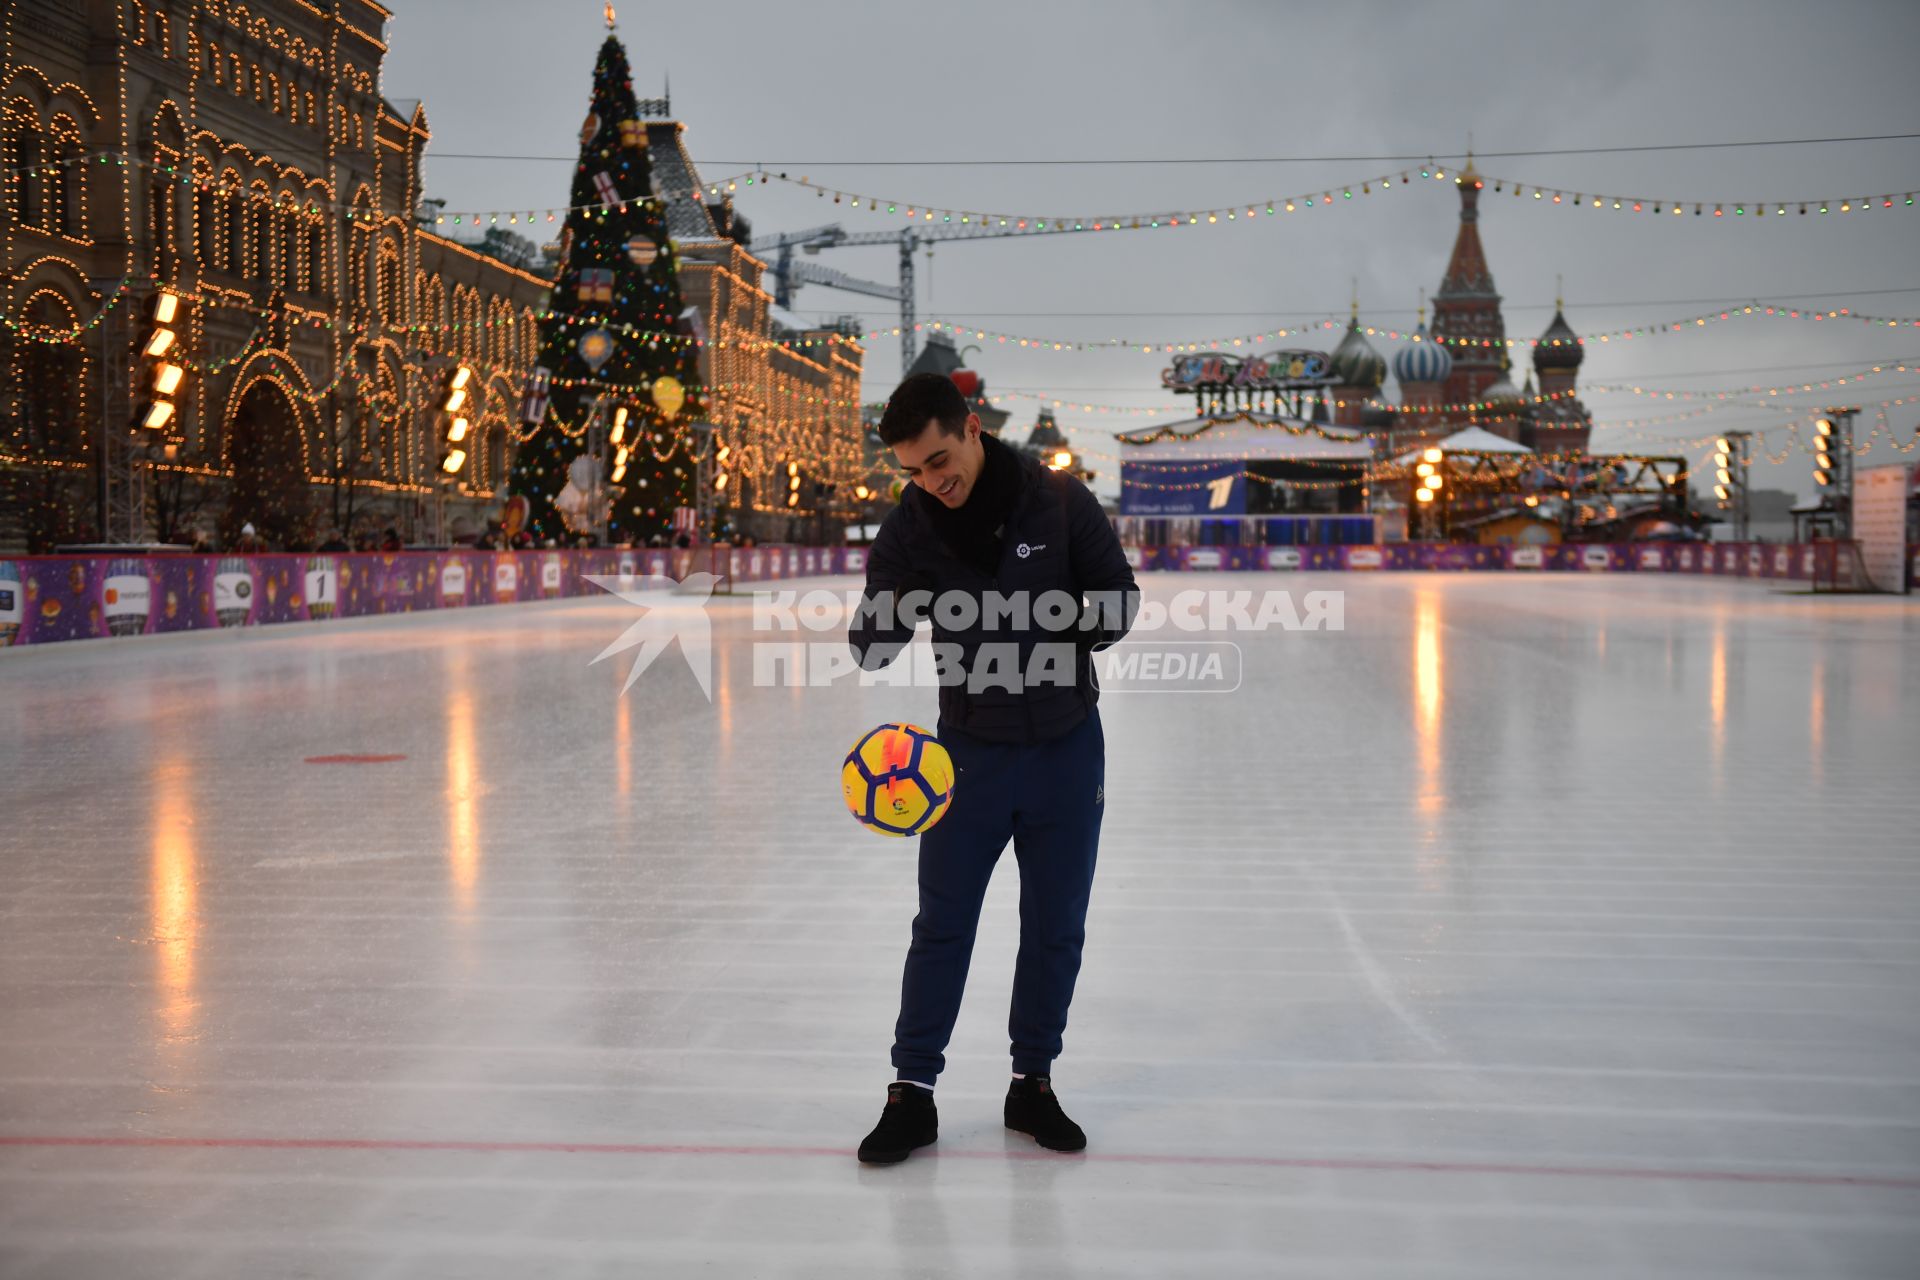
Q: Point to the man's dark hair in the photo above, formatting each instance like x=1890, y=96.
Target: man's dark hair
x=923, y=397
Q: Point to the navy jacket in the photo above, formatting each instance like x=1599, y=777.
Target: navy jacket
x=1057, y=539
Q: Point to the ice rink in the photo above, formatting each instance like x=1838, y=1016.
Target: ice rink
x=1527, y=927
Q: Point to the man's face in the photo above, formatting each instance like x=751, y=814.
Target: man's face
x=945, y=466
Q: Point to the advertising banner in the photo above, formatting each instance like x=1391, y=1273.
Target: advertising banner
x=1880, y=522
x=46, y=599
x=1199, y=488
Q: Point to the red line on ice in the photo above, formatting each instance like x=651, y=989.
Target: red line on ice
x=1253, y=1162
x=353, y=759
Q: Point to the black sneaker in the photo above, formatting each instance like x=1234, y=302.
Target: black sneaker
x=909, y=1121
x=1033, y=1109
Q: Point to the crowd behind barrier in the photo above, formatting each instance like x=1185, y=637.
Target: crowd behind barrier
x=44, y=599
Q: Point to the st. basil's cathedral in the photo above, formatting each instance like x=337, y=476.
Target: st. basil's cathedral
x=1457, y=374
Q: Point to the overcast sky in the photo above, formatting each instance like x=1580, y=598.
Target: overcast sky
x=798, y=87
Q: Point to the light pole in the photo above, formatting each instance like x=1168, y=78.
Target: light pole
x=1732, y=462
x=1833, y=464
x=453, y=457
x=1427, y=493
x=702, y=499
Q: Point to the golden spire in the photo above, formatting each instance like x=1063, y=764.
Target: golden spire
x=1356, y=298
x=609, y=15
x=1423, y=305
x=1559, y=302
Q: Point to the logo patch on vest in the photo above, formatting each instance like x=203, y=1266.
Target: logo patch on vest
x=1024, y=549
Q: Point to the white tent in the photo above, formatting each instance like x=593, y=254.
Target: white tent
x=1263, y=439
x=1471, y=440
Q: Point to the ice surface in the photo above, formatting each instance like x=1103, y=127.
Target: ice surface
x=1527, y=927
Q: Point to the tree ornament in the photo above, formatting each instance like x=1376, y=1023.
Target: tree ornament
x=596, y=348
x=642, y=251
x=589, y=128
x=668, y=394
x=533, y=401
x=596, y=285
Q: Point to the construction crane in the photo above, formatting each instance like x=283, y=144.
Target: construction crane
x=777, y=251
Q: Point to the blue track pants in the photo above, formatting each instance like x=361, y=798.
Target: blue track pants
x=1048, y=799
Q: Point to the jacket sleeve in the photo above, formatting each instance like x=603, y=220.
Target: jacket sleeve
x=878, y=633
x=1100, y=567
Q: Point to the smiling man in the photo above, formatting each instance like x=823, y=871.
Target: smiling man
x=1030, y=581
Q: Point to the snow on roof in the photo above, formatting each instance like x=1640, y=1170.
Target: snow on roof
x=1471, y=440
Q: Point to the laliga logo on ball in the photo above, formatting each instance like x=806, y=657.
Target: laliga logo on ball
x=898, y=780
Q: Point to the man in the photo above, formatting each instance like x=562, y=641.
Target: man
x=981, y=525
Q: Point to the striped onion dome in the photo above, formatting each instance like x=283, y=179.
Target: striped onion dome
x=1422, y=359
x=1355, y=362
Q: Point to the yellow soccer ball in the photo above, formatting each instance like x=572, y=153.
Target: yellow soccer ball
x=898, y=780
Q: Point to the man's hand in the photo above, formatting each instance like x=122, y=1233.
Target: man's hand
x=913, y=596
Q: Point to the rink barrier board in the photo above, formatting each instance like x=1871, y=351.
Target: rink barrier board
x=1793, y=561
x=46, y=599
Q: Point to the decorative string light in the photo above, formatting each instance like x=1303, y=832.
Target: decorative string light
x=1787, y=389
x=1166, y=217
x=1175, y=217
x=1027, y=342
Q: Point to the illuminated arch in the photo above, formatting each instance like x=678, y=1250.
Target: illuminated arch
x=500, y=344
x=281, y=370
x=45, y=97
x=389, y=279
x=490, y=458
x=24, y=152
x=529, y=339
x=360, y=235
x=45, y=394
x=258, y=263
x=166, y=148
x=433, y=314
x=64, y=184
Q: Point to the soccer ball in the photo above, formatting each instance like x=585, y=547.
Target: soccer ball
x=897, y=780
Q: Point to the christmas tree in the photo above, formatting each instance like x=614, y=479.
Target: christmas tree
x=612, y=359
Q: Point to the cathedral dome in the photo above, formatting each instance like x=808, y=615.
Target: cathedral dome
x=1422, y=359
x=1559, y=347
x=1355, y=362
x=1501, y=396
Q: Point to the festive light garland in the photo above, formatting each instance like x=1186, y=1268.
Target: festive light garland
x=1882, y=427
x=1687, y=324
x=1116, y=410
x=1797, y=388
x=922, y=212
x=1166, y=218
x=75, y=332
x=1751, y=310
x=1155, y=435
x=594, y=319
x=353, y=212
